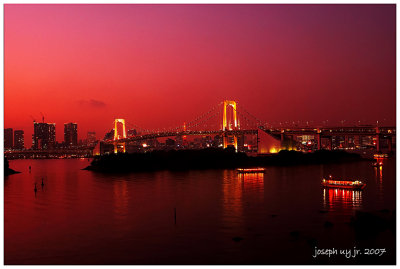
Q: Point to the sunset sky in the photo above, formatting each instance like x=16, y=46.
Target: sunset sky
x=160, y=65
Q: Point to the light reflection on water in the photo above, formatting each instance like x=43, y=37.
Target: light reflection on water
x=121, y=199
x=81, y=217
x=232, y=202
x=342, y=199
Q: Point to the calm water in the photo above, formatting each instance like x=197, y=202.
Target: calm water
x=82, y=217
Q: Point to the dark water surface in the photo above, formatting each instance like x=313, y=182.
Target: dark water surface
x=83, y=217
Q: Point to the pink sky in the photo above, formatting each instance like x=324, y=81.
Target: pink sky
x=160, y=65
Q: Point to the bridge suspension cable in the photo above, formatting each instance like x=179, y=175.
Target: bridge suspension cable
x=198, y=120
x=258, y=121
x=199, y=123
x=139, y=129
x=249, y=120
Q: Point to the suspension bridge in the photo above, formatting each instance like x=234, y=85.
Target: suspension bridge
x=230, y=121
x=226, y=119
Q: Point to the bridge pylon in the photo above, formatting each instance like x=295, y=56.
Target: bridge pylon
x=118, y=146
x=230, y=124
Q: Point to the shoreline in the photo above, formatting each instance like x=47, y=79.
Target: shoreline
x=7, y=170
x=204, y=159
x=10, y=172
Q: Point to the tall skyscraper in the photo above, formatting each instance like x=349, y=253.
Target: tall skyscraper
x=91, y=138
x=19, y=139
x=44, y=135
x=71, y=134
x=8, y=138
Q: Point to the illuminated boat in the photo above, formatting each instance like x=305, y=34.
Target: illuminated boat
x=381, y=155
x=343, y=184
x=377, y=164
x=250, y=170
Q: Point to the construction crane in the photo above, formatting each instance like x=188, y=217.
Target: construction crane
x=33, y=118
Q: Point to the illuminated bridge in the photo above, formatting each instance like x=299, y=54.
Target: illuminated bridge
x=237, y=122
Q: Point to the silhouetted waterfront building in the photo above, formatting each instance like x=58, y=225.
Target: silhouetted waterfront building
x=170, y=142
x=8, y=138
x=218, y=141
x=240, y=143
x=19, y=139
x=71, y=134
x=44, y=135
x=91, y=138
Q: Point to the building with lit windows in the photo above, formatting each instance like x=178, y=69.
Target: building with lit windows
x=19, y=139
x=91, y=138
x=71, y=134
x=44, y=135
x=8, y=138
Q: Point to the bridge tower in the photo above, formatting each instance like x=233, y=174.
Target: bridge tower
x=230, y=124
x=184, y=129
x=118, y=136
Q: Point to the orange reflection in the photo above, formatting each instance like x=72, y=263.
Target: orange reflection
x=120, y=199
x=378, y=174
x=232, y=202
x=253, y=181
x=251, y=177
x=341, y=198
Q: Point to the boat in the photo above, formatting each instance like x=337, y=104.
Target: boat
x=250, y=170
x=343, y=184
x=377, y=164
x=381, y=155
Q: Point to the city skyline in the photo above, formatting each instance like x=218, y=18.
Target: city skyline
x=200, y=134
x=285, y=62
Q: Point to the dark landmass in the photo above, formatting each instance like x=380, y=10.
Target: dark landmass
x=370, y=224
x=211, y=159
x=7, y=169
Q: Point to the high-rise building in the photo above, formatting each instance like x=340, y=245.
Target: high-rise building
x=19, y=139
x=44, y=135
x=91, y=138
x=71, y=134
x=8, y=138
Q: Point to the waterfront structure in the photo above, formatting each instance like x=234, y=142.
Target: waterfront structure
x=19, y=139
x=44, y=135
x=71, y=134
x=91, y=138
x=246, y=133
x=8, y=138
